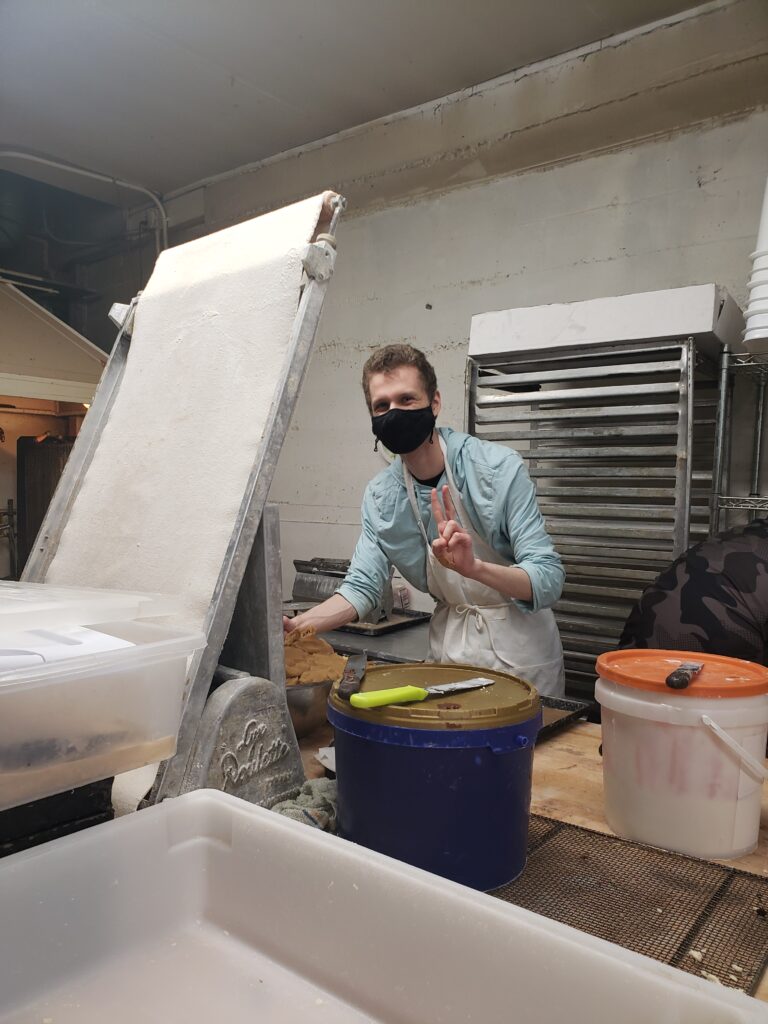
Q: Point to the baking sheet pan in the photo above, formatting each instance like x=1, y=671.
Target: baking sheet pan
x=559, y=713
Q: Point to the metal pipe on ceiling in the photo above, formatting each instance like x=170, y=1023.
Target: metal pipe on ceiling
x=21, y=154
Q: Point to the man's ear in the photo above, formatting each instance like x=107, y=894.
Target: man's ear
x=436, y=403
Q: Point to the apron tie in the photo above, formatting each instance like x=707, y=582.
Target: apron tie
x=473, y=613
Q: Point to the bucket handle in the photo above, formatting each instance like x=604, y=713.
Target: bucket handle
x=756, y=768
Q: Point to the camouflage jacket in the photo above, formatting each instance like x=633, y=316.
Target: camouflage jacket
x=713, y=598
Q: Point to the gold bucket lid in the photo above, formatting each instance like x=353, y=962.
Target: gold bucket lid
x=509, y=701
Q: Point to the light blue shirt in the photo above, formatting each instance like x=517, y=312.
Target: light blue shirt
x=500, y=500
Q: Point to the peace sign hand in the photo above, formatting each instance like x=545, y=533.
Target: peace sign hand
x=453, y=545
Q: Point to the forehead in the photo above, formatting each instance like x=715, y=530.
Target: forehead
x=402, y=378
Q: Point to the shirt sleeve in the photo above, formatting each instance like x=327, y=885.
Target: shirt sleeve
x=369, y=569
x=531, y=545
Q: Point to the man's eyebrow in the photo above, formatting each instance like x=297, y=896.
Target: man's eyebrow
x=398, y=396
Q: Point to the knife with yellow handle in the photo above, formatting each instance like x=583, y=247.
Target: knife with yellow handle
x=409, y=694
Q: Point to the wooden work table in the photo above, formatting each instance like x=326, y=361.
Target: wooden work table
x=568, y=786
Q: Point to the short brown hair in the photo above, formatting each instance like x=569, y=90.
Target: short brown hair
x=391, y=357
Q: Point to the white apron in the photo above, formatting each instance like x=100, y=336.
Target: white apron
x=476, y=625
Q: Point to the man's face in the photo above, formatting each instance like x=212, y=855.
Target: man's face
x=402, y=388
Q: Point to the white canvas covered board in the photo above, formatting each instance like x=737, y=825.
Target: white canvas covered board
x=160, y=499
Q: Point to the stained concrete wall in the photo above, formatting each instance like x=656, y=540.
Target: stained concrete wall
x=670, y=213
x=635, y=164
x=708, y=63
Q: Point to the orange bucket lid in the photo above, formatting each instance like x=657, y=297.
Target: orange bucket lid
x=648, y=670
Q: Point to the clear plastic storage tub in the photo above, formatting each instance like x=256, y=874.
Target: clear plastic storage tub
x=206, y=908
x=66, y=718
x=39, y=606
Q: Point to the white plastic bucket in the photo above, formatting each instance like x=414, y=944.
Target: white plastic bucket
x=756, y=336
x=681, y=770
x=757, y=320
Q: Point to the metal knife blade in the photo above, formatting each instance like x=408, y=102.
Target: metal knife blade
x=354, y=673
x=410, y=693
x=441, y=689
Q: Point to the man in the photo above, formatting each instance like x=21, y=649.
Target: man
x=713, y=598
x=458, y=518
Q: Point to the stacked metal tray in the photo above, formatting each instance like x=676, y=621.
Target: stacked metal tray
x=619, y=440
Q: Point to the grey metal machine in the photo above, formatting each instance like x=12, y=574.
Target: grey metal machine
x=247, y=600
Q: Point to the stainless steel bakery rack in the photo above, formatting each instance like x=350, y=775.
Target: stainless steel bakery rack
x=620, y=441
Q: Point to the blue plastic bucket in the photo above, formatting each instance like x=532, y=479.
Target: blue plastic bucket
x=453, y=797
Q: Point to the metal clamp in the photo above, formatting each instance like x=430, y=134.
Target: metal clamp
x=122, y=314
x=319, y=259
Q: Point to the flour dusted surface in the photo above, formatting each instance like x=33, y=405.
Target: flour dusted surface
x=159, y=501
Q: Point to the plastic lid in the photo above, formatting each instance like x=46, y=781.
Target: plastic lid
x=25, y=606
x=648, y=670
x=509, y=701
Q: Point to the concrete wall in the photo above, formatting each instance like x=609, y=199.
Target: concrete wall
x=635, y=164
x=670, y=213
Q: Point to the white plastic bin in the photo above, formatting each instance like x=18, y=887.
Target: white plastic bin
x=683, y=769
x=65, y=723
x=40, y=606
x=206, y=908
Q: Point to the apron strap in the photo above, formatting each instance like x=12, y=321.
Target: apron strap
x=486, y=551
x=414, y=504
x=461, y=512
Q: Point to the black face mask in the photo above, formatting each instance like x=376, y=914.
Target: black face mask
x=403, y=430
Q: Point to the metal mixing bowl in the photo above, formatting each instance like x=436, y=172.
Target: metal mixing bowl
x=306, y=706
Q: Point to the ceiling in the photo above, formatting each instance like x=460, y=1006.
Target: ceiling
x=166, y=92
